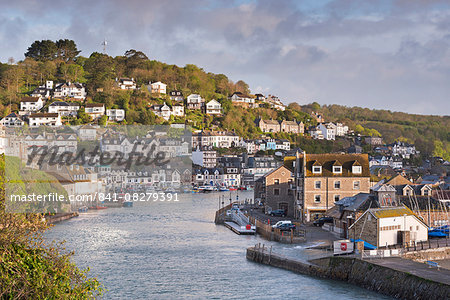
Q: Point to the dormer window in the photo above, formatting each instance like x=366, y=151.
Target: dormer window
x=337, y=169
x=317, y=169
x=356, y=169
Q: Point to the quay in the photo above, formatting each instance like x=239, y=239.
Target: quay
x=396, y=277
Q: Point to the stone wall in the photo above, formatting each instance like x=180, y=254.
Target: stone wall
x=365, y=229
x=429, y=254
x=358, y=272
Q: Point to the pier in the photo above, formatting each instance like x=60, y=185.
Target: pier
x=382, y=275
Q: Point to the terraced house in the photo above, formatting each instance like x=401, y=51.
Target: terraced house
x=323, y=179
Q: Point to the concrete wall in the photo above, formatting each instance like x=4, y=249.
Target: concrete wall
x=358, y=272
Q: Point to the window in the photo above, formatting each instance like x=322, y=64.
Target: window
x=417, y=227
x=337, y=169
x=337, y=185
x=276, y=192
x=317, y=170
x=337, y=198
x=317, y=184
x=356, y=185
x=317, y=198
x=426, y=192
x=356, y=169
x=276, y=181
x=290, y=192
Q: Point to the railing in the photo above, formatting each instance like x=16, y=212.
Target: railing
x=423, y=245
x=380, y=253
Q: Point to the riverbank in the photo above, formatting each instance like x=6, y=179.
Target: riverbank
x=373, y=275
x=56, y=218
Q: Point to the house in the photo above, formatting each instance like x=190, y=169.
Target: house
x=276, y=190
x=208, y=176
x=292, y=127
x=178, y=110
x=268, y=125
x=126, y=83
x=240, y=99
x=404, y=150
x=95, y=110
x=283, y=145
x=205, y=157
x=12, y=120
x=157, y=87
x=219, y=139
x=373, y=140
x=87, y=132
x=64, y=108
x=387, y=226
x=260, y=97
x=30, y=104
x=323, y=179
x=341, y=129
x=195, y=101
x=176, y=96
x=275, y=102
x=213, y=107
x=231, y=176
x=318, y=117
x=161, y=110
x=315, y=132
x=328, y=130
x=70, y=90
x=115, y=115
x=43, y=91
x=48, y=119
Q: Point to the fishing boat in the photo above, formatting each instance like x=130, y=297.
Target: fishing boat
x=223, y=189
x=208, y=188
x=233, y=188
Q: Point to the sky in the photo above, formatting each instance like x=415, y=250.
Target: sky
x=381, y=54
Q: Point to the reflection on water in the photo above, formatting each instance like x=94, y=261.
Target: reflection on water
x=163, y=250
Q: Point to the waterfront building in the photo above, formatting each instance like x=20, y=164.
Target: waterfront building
x=323, y=179
x=95, y=110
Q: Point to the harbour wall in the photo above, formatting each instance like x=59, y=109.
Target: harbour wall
x=373, y=277
x=52, y=219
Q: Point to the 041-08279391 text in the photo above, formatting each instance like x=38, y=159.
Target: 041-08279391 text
x=139, y=197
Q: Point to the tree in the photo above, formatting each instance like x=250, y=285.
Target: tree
x=42, y=50
x=67, y=50
x=242, y=87
x=103, y=120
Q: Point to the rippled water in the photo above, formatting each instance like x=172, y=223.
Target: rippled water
x=175, y=251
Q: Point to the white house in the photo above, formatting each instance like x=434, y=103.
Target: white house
x=87, y=133
x=383, y=227
x=239, y=97
x=43, y=91
x=213, y=107
x=178, y=110
x=158, y=87
x=48, y=119
x=341, y=129
x=70, y=90
x=195, y=101
x=31, y=104
x=116, y=115
x=161, y=110
x=12, y=120
x=126, y=83
x=328, y=130
x=95, y=110
x=64, y=108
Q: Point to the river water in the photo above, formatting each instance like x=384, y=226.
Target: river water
x=173, y=250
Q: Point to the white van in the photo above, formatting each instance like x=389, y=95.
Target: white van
x=281, y=222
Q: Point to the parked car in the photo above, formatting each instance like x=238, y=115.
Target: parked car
x=278, y=213
x=322, y=221
x=281, y=222
x=286, y=227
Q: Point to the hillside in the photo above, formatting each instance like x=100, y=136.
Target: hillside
x=60, y=61
x=430, y=134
